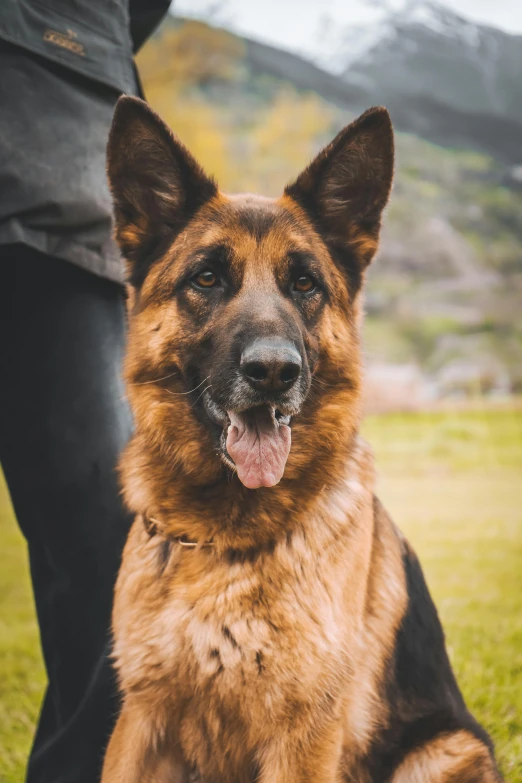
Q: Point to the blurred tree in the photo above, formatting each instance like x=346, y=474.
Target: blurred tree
x=174, y=67
x=287, y=135
x=257, y=147
x=189, y=54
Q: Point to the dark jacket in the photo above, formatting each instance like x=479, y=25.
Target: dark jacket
x=63, y=64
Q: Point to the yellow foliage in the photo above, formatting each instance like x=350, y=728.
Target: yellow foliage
x=190, y=54
x=197, y=125
x=286, y=137
x=258, y=152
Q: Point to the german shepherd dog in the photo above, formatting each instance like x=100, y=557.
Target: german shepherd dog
x=270, y=623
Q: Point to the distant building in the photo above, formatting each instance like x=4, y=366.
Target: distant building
x=400, y=387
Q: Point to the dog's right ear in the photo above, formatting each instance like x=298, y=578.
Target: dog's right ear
x=346, y=187
x=156, y=184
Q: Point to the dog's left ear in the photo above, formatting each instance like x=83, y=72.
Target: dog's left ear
x=156, y=184
x=346, y=187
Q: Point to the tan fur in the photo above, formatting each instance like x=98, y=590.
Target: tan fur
x=452, y=758
x=266, y=655
x=289, y=613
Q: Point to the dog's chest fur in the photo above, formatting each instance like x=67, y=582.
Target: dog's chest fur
x=243, y=647
x=231, y=626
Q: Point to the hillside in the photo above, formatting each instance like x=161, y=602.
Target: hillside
x=444, y=77
x=444, y=295
x=428, y=49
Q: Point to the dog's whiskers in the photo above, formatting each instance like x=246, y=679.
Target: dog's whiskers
x=315, y=379
x=181, y=394
x=202, y=393
x=155, y=380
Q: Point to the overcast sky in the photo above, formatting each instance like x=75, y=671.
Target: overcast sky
x=294, y=24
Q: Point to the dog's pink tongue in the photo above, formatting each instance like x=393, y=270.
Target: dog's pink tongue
x=259, y=446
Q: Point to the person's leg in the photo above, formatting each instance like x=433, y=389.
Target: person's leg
x=63, y=422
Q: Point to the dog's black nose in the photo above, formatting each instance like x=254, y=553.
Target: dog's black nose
x=271, y=364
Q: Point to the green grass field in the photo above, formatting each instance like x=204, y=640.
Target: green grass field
x=453, y=483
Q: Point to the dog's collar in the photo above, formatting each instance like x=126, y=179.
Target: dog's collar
x=154, y=528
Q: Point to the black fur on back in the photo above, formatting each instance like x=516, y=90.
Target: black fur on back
x=424, y=698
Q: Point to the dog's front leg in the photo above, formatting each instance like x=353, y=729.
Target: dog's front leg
x=314, y=757
x=137, y=754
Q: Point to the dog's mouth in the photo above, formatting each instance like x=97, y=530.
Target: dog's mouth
x=255, y=442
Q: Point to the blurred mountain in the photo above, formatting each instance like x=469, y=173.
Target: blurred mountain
x=445, y=294
x=442, y=77
x=426, y=49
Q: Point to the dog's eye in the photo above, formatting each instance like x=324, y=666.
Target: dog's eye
x=205, y=279
x=304, y=284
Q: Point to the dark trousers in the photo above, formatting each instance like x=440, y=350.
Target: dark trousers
x=63, y=422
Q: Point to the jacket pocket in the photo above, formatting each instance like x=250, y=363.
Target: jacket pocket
x=91, y=38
